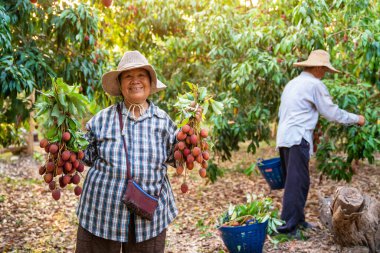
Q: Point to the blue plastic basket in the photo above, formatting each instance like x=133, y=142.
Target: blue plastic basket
x=244, y=239
x=272, y=172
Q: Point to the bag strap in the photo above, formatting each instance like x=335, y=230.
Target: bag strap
x=124, y=144
x=125, y=147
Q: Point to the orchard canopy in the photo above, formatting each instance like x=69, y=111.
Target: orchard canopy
x=241, y=51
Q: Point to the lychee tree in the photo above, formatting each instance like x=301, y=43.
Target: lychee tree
x=40, y=40
x=245, y=54
x=242, y=53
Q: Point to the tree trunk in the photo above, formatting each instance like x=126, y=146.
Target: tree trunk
x=30, y=137
x=355, y=218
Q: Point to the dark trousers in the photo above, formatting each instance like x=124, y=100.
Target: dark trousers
x=89, y=243
x=295, y=161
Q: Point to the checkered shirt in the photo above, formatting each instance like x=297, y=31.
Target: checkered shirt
x=150, y=141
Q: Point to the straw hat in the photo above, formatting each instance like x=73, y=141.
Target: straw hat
x=130, y=60
x=317, y=58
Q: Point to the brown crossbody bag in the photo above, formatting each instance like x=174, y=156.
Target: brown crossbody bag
x=135, y=198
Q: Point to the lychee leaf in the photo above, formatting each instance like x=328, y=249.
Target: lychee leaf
x=184, y=122
x=72, y=109
x=62, y=86
x=184, y=101
x=55, y=112
x=62, y=99
x=72, y=124
x=43, y=108
x=77, y=124
x=82, y=143
x=80, y=102
x=55, y=139
x=74, y=146
x=202, y=93
x=51, y=133
x=190, y=96
x=191, y=86
x=48, y=123
x=205, y=107
x=61, y=119
x=215, y=108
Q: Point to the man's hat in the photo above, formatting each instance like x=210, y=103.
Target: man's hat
x=317, y=58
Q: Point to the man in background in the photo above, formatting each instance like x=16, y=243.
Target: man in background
x=303, y=99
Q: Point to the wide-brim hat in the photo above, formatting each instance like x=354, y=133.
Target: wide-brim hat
x=317, y=58
x=130, y=60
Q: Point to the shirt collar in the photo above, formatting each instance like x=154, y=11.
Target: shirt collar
x=152, y=110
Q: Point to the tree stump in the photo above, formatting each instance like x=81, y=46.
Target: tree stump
x=352, y=218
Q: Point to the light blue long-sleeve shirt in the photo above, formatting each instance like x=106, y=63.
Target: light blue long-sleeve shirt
x=302, y=100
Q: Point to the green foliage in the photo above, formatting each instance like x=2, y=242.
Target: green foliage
x=39, y=157
x=9, y=135
x=200, y=97
x=245, y=54
x=257, y=209
x=61, y=109
x=5, y=34
x=213, y=171
x=229, y=133
x=252, y=169
x=38, y=42
x=342, y=145
x=76, y=28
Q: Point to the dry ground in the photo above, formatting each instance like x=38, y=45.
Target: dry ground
x=30, y=221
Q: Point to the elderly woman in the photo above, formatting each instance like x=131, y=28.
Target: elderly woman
x=105, y=223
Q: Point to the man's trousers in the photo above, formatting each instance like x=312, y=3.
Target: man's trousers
x=295, y=163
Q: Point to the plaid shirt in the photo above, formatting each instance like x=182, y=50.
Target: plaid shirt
x=150, y=141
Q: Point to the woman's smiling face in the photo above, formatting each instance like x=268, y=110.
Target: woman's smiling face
x=135, y=85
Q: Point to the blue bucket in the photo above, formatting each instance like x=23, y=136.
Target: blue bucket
x=245, y=239
x=272, y=172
